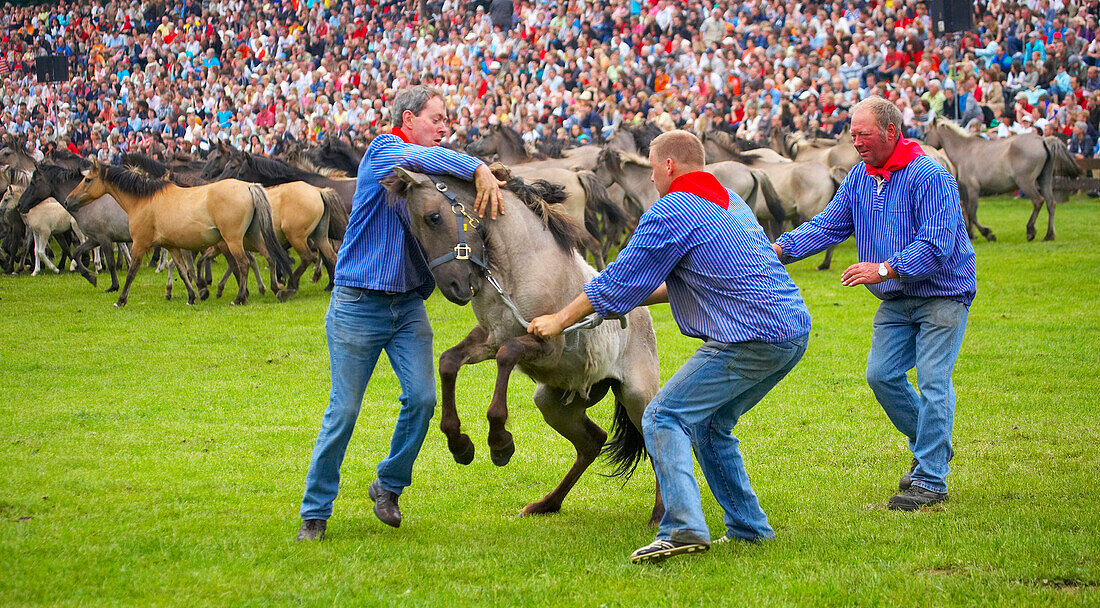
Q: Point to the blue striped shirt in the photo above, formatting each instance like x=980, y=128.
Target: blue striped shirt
x=378, y=253
x=724, y=281
x=911, y=221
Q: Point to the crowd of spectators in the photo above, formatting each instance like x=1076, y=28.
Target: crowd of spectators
x=168, y=75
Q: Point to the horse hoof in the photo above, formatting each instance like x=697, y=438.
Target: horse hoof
x=204, y=294
x=284, y=294
x=120, y=303
x=1049, y=237
x=823, y=267
x=168, y=297
x=111, y=289
x=1030, y=236
x=540, y=508
x=464, y=452
x=502, y=456
x=991, y=237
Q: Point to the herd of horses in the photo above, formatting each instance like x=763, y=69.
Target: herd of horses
x=527, y=262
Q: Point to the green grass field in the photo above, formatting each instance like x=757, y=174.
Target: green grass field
x=156, y=455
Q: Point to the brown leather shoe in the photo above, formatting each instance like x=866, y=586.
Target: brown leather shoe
x=385, y=505
x=312, y=529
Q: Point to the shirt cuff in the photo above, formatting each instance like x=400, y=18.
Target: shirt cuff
x=599, y=303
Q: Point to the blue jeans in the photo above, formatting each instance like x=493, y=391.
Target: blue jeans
x=925, y=333
x=697, y=409
x=360, y=324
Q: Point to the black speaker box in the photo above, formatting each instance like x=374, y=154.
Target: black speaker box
x=52, y=68
x=951, y=16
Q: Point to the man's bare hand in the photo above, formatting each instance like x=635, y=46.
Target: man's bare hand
x=488, y=192
x=863, y=273
x=546, y=326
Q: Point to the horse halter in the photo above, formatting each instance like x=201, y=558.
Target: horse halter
x=463, y=221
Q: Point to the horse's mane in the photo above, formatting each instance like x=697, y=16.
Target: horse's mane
x=644, y=135
x=64, y=155
x=138, y=175
x=726, y=142
x=950, y=124
x=275, y=169
x=303, y=162
x=59, y=173
x=540, y=196
x=513, y=138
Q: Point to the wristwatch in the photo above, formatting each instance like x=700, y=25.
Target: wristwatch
x=882, y=270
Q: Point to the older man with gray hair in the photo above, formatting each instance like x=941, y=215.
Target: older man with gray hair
x=915, y=256
x=382, y=280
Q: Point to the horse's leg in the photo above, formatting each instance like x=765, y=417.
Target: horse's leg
x=1047, y=188
x=78, y=259
x=328, y=257
x=137, y=250
x=474, y=348
x=255, y=266
x=571, y=421
x=1032, y=192
x=182, y=266
x=169, y=283
x=240, y=260
x=635, y=393
x=225, y=279
x=824, y=265
x=501, y=446
x=300, y=243
x=39, y=253
x=157, y=260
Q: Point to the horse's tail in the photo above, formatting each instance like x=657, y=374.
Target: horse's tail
x=771, y=198
x=615, y=219
x=262, y=216
x=1058, y=156
x=338, y=220
x=626, y=448
x=330, y=205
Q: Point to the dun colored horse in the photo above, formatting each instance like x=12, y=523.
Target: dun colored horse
x=164, y=214
x=1025, y=162
x=531, y=252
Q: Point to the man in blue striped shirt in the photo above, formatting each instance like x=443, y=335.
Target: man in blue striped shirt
x=382, y=280
x=916, y=257
x=700, y=249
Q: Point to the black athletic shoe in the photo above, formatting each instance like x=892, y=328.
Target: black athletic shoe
x=915, y=498
x=906, y=480
x=385, y=505
x=662, y=549
x=312, y=529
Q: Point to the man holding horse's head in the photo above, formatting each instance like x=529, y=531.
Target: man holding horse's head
x=903, y=209
x=382, y=280
x=700, y=248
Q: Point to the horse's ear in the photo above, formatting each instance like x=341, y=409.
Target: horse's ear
x=400, y=181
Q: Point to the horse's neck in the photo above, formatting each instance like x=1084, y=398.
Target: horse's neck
x=950, y=141
x=524, y=250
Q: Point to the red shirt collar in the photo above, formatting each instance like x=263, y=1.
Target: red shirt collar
x=704, y=185
x=401, y=135
x=904, y=153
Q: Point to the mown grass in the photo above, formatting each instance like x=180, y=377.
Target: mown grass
x=156, y=455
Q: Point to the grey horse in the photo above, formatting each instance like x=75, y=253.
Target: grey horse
x=1025, y=162
x=531, y=252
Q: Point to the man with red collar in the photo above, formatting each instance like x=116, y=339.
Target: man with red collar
x=915, y=256
x=700, y=249
x=382, y=280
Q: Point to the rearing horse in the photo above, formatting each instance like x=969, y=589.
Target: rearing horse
x=531, y=253
x=163, y=214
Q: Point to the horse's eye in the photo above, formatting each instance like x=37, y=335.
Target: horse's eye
x=434, y=218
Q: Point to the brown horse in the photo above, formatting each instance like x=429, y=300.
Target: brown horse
x=300, y=215
x=166, y=215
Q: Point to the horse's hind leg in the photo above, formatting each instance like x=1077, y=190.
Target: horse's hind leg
x=1032, y=192
x=474, y=348
x=501, y=446
x=184, y=269
x=828, y=261
x=571, y=421
x=255, y=267
x=1052, y=202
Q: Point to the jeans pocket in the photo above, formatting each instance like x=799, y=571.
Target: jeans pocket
x=946, y=313
x=345, y=295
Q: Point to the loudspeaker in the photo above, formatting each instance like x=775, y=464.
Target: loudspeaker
x=951, y=15
x=52, y=68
